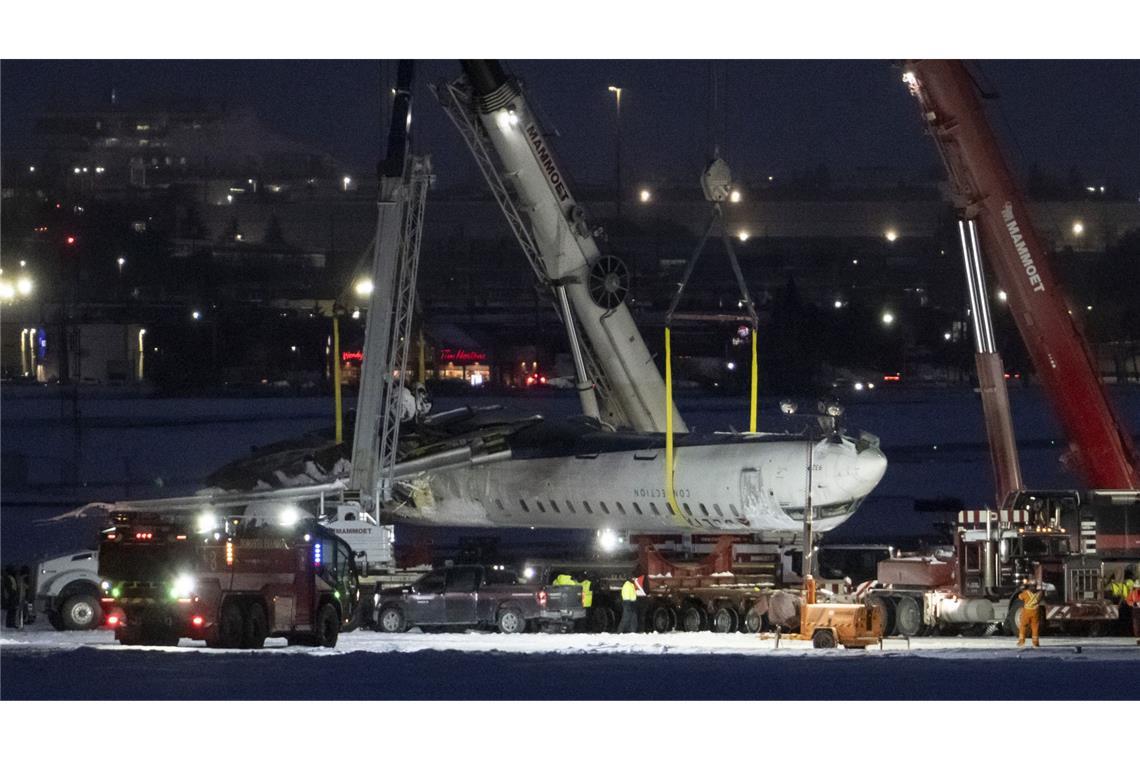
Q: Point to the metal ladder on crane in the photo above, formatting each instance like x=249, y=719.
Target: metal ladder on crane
x=395, y=269
x=457, y=103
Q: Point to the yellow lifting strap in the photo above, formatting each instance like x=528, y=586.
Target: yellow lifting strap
x=669, y=427
x=753, y=404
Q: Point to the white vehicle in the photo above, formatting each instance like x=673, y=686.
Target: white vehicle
x=371, y=541
x=67, y=591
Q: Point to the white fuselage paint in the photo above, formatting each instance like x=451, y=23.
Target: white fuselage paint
x=740, y=487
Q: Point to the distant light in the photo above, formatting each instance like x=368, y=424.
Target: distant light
x=730, y=366
x=946, y=336
x=743, y=236
x=858, y=386
x=888, y=318
x=770, y=178
x=838, y=304
x=855, y=262
x=1002, y=296
x=24, y=286
x=32, y=169
x=891, y=235
x=238, y=237
x=76, y=170
x=293, y=349
x=23, y=263
x=288, y=516
x=1091, y=189
x=7, y=292
x=645, y=196
x=614, y=89
x=734, y=196
x=528, y=572
x=346, y=181
x=1102, y=188
x=195, y=314
x=120, y=261
x=356, y=313
x=1089, y=307
x=99, y=170
x=1078, y=228
x=871, y=386
x=363, y=287
x=229, y=198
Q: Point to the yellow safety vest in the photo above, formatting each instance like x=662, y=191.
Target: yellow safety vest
x=563, y=580
x=587, y=595
x=1030, y=599
x=628, y=592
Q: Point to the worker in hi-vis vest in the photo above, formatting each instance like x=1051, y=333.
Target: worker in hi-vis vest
x=1133, y=601
x=1030, y=597
x=628, y=607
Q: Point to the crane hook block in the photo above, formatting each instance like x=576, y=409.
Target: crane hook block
x=716, y=182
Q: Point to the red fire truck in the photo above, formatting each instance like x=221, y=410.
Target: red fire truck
x=231, y=582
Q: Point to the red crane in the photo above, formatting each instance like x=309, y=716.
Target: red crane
x=1100, y=448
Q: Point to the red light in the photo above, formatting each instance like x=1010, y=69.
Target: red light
x=143, y=536
x=542, y=598
x=542, y=380
x=891, y=378
x=70, y=238
x=112, y=620
x=530, y=380
x=197, y=621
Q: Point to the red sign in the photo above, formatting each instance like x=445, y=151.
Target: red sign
x=461, y=356
x=352, y=356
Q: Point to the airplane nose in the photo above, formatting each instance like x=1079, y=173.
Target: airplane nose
x=870, y=466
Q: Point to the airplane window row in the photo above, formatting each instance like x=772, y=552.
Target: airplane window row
x=690, y=518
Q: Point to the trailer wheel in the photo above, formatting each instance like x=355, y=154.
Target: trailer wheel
x=908, y=616
x=80, y=612
x=725, y=620
x=511, y=620
x=662, y=618
x=327, y=626
x=230, y=627
x=823, y=639
x=693, y=618
x=256, y=627
x=391, y=620
x=753, y=621
x=886, y=606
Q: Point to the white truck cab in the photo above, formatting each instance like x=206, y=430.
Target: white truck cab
x=67, y=591
x=371, y=541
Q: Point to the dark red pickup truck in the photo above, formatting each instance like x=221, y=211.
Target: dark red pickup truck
x=476, y=596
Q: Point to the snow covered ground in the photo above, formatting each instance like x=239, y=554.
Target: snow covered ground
x=41, y=663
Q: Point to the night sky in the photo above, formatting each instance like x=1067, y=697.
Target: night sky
x=781, y=116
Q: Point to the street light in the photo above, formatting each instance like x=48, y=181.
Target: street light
x=195, y=315
x=743, y=236
x=617, y=146
x=645, y=196
x=838, y=304
x=120, y=261
x=363, y=288
x=888, y=318
x=346, y=181
x=1078, y=228
x=734, y=196
x=891, y=235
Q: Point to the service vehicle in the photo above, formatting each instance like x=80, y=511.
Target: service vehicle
x=473, y=595
x=67, y=591
x=228, y=581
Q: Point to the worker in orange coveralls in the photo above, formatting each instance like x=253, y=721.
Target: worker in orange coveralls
x=1030, y=597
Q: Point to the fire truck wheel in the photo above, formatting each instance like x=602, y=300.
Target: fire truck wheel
x=511, y=620
x=600, y=619
x=81, y=613
x=823, y=639
x=753, y=621
x=391, y=620
x=231, y=625
x=725, y=620
x=328, y=625
x=256, y=627
x=908, y=616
